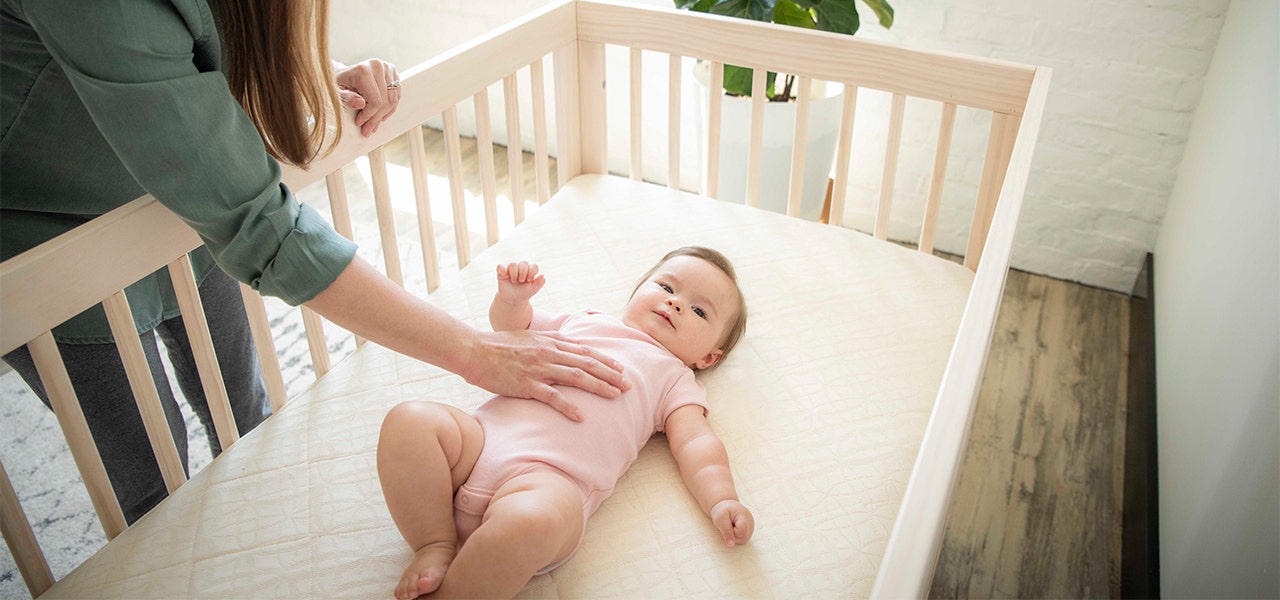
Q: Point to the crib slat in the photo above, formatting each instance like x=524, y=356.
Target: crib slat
x=484, y=154
x=945, y=129
x=798, y=143
x=673, y=121
x=66, y=407
x=537, y=89
x=841, y=184
x=715, y=104
x=1004, y=129
x=637, y=76
x=314, y=327
x=453, y=148
x=426, y=225
x=592, y=103
x=515, y=155
x=193, y=317
x=22, y=540
x=386, y=219
x=265, y=346
x=890, y=166
x=144, y=389
x=340, y=209
x=755, y=151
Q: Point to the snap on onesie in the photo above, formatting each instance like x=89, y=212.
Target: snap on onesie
x=522, y=436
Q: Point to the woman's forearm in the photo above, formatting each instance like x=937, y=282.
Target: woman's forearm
x=364, y=302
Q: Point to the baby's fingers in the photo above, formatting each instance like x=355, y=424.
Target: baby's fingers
x=527, y=272
x=734, y=522
x=743, y=526
x=724, y=522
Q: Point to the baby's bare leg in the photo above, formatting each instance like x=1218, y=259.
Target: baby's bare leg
x=425, y=452
x=533, y=521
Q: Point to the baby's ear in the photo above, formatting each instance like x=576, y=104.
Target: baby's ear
x=711, y=358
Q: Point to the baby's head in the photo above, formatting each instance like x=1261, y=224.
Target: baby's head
x=691, y=304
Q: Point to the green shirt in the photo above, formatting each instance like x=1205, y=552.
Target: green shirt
x=102, y=102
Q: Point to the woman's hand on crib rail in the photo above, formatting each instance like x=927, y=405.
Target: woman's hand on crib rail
x=371, y=88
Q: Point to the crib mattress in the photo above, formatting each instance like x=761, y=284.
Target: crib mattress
x=822, y=407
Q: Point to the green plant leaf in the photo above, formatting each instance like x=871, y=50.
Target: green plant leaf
x=756, y=10
x=883, y=11
x=695, y=5
x=790, y=13
x=737, y=81
x=840, y=16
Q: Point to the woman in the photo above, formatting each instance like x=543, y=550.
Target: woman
x=103, y=102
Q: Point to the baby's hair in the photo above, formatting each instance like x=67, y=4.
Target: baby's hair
x=718, y=260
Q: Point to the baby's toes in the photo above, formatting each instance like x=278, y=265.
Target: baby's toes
x=429, y=582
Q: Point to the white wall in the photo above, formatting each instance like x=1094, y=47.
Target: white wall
x=1217, y=309
x=1127, y=76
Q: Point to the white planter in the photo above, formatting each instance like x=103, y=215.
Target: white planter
x=779, y=127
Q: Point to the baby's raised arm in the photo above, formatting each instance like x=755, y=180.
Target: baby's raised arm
x=517, y=283
x=704, y=465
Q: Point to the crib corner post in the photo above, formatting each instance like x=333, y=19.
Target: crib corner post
x=592, y=119
x=568, y=124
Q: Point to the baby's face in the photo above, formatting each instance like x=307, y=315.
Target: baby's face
x=687, y=305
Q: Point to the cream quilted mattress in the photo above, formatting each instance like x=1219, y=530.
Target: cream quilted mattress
x=822, y=408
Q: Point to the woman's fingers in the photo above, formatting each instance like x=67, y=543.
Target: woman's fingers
x=394, y=89
x=351, y=99
x=598, y=366
x=377, y=85
x=552, y=397
x=528, y=364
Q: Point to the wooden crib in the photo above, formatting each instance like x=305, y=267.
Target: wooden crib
x=845, y=409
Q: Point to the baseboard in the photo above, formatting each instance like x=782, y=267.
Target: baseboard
x=1140, y=553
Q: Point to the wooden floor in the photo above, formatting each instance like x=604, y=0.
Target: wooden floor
x=1036, y=512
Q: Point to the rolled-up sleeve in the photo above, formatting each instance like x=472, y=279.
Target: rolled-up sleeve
x=147, y=73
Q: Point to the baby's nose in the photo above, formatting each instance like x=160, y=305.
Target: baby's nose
x=673, y=304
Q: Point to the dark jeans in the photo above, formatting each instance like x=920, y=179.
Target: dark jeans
x=98, y=377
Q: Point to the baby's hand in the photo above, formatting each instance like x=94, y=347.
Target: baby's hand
x=518, y=282
x=734, y=522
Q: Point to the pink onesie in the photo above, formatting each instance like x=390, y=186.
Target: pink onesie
x=523, y=435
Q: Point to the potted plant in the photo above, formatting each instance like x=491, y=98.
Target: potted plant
x=839, y=16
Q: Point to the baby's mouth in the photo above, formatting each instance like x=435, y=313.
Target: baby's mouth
x=667, y=318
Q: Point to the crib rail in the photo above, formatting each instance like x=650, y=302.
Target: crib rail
x=125, y=245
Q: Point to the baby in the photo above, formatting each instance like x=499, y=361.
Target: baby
x=489, y=500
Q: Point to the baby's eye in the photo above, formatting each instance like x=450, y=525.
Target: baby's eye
x=700, y=312
x=666, y=288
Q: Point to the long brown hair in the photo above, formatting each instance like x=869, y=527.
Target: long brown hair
x=277, y=65
x=720, y=261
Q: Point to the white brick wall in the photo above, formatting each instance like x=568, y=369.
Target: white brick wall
x=1128, y=75
x=1127, y=78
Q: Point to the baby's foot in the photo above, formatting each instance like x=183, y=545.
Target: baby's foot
x=426, y=571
